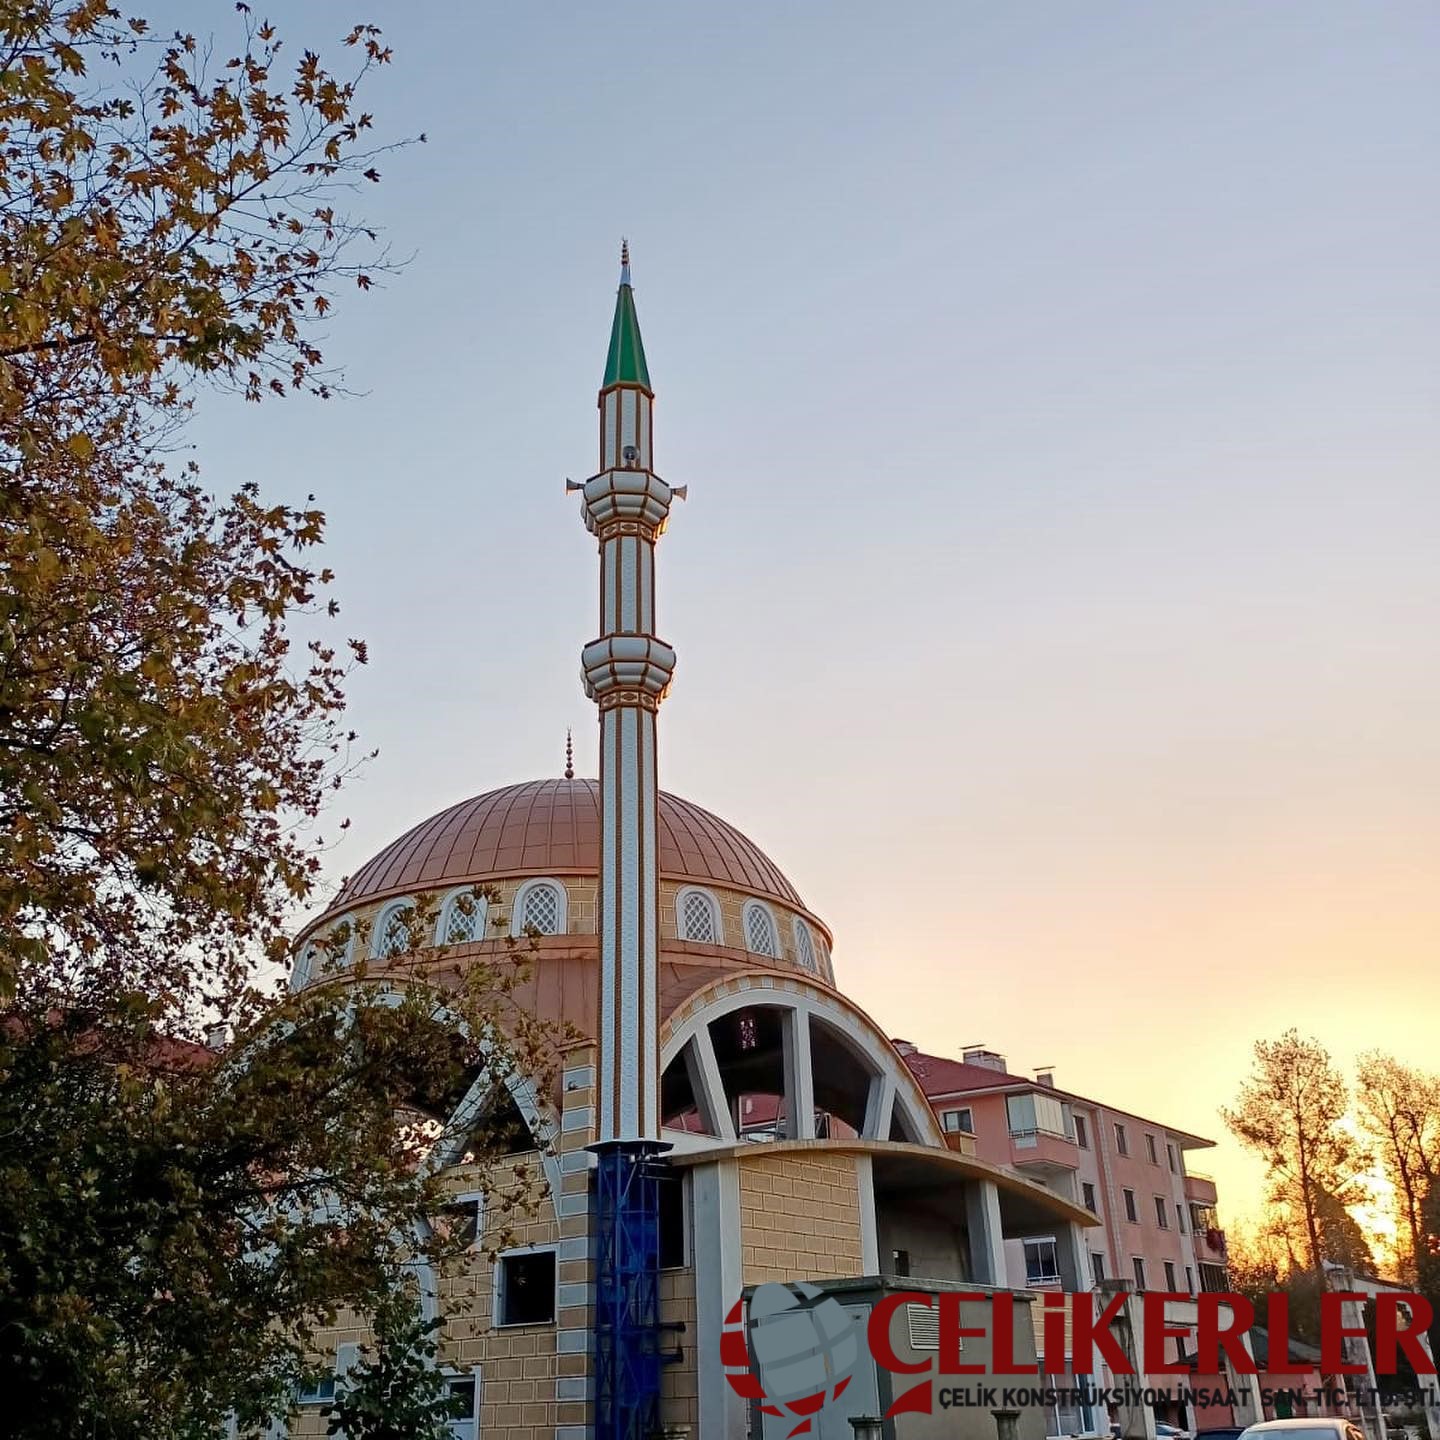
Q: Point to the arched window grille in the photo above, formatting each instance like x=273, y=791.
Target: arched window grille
x=760, y=934
x=826, y=968
x=462, y=919
x=305, y=964
x=392, y=930
x=699, y=917
x=540, y=907
x=804, y=946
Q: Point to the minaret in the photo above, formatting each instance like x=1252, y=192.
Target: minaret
x=627, y=672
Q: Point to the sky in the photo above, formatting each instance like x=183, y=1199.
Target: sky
x=1056, y=597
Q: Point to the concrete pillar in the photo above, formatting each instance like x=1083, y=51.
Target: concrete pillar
x=987, y=1242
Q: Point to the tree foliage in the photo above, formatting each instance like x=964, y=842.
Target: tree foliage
x=1398, y=1109
x=174, y=1223
x=159, y=739
x=1291, y=1112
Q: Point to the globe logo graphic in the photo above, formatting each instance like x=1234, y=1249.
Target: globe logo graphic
x=801, y=1352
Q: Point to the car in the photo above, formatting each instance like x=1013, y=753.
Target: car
x=1220, y=1432
x=1318, y=1427
x=1170, y=1432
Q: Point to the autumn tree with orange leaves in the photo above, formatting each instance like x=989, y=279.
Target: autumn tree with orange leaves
x=174, y=1225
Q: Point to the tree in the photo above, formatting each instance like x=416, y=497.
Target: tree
x=1291, y=1111
x=159, y=740
x=175, y=1224
x=396, y=1392
x=1399, y=1112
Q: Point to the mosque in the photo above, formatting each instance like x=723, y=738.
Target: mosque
x=725, y=1116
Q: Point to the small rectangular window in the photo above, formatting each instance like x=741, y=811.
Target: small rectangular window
x=462, y=1220
x=1174, y=1160
x=958, y=1122
x=1082, y=1134
x=1122, y=1144
x=464, y=1393
x=1087, y=1191
x=672, y=1221
x=900, y=1262
x=315, y=1391
x=1131, y=1214
x=525, y=1288
x=1189, y=1280
x=1139, y=1265
x=1042, y=1267
x=1179, y=1217
x=1097, y=1266
x=1162, y=1213
x=1170, y=1276
x=1151, y=1152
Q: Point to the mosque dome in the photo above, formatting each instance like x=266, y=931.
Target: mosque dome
x=552, y=827
x=717, y=887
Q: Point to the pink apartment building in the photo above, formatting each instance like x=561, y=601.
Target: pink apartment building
x=1158, y=1227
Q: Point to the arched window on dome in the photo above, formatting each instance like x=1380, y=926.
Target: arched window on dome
x=539, y=908
x=698, y=916
x=760, y=934
x=804, y=946
x=391, y=935
x=306, y=963
x=827, y=970
x=463, y=918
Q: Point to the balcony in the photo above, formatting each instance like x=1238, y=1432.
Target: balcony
x=1209, y=1244
x=960, y=1140
x=1043, y=1153
x=1200, y=1189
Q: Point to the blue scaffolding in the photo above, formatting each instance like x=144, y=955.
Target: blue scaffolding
x=627, y=1290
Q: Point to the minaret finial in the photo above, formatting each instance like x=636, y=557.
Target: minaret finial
x=569, y=756
x=624, y=261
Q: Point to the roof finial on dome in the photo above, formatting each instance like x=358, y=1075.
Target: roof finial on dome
x=569, y=756
x=624, y=261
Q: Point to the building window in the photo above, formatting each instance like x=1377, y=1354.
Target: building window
x=392, y=930
x=1131, y=1213
x=525, y=1288
x=1139, y=1265
x=958, y=1122
x=1170, y=1276
x=304, y=967
x=900, y=1263
x=462, y=919
x=699, y=917
x=1034, y=1114
x=316, y=1390
x=540, y=908
x=1152, y=1154
x=462, y=1220
x=760, y=930
x=465, y=1393
x=804, y=946
x=1180, y=1217
x=1213, y=1279
x=826, y=968
x=1082, y=1133
x=1097, y=1266
x=1042, y=1267
x=1189, y=1280
x=672, y=1221
x=1087, y=1190
x=1122, y=1144
x=1162, y=1213
x=1173, y=1159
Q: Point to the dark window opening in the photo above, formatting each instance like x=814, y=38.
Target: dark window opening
x=672, y=1222
x=900, y=1262
x=527, y=1288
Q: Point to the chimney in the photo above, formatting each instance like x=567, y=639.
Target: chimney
x=986, y=1059
x=217, y=1037
x=1045, y=1077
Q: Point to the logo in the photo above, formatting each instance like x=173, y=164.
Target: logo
x=795, y=1352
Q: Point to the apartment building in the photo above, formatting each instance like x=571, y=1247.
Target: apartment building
x=1158, y=1224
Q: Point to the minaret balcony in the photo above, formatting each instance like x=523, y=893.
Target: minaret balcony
x=616, y=499
x=621, y=666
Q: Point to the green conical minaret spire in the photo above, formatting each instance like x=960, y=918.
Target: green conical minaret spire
x=625, y=364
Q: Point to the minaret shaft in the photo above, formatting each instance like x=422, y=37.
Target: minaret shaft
x=627, y=671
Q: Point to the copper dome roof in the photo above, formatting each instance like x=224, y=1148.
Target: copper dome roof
x=552, y=827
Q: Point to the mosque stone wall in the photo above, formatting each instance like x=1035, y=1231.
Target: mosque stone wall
x=799, y=1217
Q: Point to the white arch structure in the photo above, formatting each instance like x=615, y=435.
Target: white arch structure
x=893, y=1092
